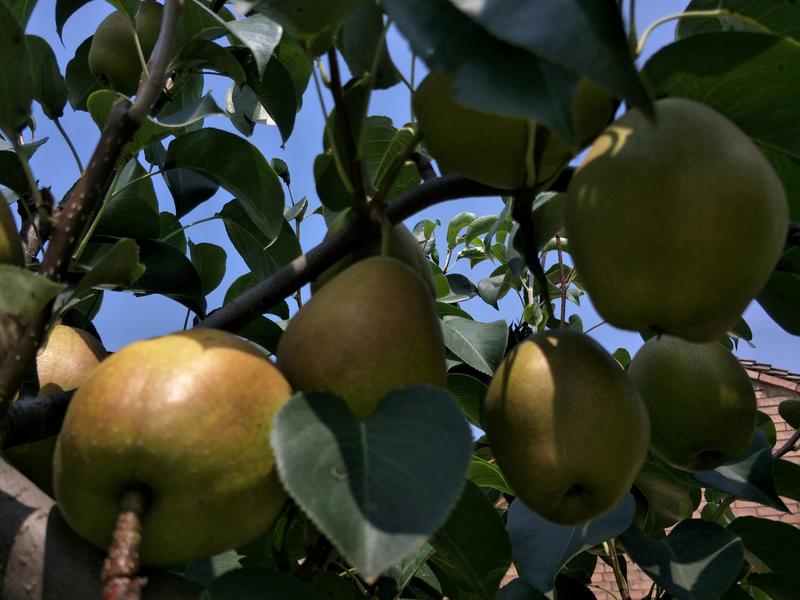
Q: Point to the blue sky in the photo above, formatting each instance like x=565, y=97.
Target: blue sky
x=124, y=318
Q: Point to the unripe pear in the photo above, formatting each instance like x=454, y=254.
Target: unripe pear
x=10, y=246
x=701, y=403
x=675, y=224
x=494, y=149
x=65, y=360
x=371, y=329
x=186, y=419
x=566, y=426
x=306, y=17
x=112, y=53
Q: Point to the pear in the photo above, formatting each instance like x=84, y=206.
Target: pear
x=112, y=53
x=64, y=361
x=371, y=329
x=494, y=149
x=306, y=17
x=566, y=426
x=10, y=246
x=675, y=224
x=186, y=419
x=701, y=403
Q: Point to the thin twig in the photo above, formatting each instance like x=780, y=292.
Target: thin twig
x=563, y=283
x=622, y=583
x=72, y=148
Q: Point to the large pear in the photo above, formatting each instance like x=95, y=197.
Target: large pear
x=10, y=246
x=113, y=55
x=185, y=418
x=701, y=403
x=675, y=224
x=566, y=426
x=63, y=363
x=495, y=149
x=371, y=329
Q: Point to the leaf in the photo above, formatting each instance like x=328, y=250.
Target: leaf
x=672, y=494
x=622, y=356
x=469, y=393
x=206, y=54
x=16, y=81
x=383, y=145
x=779, y=299
x=486, y=474
x=114, y=266
x=263, y=332
x=748, y=476
x=50, y=89
x=251, y=583
x=23, y=294
x=203, y=572
x=787, y=478
x=172, y=231
x=767, y=426
x=748, y=77
x=331, y=190
x=132, y=209
x=258, y=34
x=789, y=410
x=698, y=560
x=237, y=166
x=64, y=10
x=457, y=223
x=360, y=39
x=244, y=283
x=519, y=589
x=11, y=173
x=210, y=261
x=770, y=545
x=778, y=587
x=480, y=345
x=376, y=488
x=548, y=217
x=189, y=189
x=473, y=547
x=542, y=547
x=22, y=10
x=779, y=16
x=81, y=83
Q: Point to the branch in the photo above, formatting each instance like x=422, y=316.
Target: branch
x=522, y=211
x=42, y=559
x=789, y=446
x=31, y=419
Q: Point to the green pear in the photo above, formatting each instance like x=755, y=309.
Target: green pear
x=371, y=329
x=112, y=53
x=10, y=246
x=675, y=224
x=185, y=418
x=402, y=245
x=63, y=363
x=566, y=426
x=701, y=403
x=307, y=17
x=495, y=149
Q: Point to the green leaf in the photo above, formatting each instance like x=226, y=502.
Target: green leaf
x=22, y=9
x=201, y=53
x=244, y=283
x=16, y=74
x=360, y=39
x=205, y=571
x=779, y=16
x=237, y=166
x=132, y=209
x=172, y=231
x=80, y=80
x=210, y=261
x=376, y=488
x=542, y=547
x=519, y=589
x=263, y=332
x=189, y=189
x=603, y=56
x=383, y=145
x=778, y=587
x=672, y=494
x=789, y=410
x=11, y=174
x=480, y=345
x=787, y=478
x=23, y=294
x=770, y=546
x=469, y=393
x=331, y=190
x=622, y=356
x=748, y=476
x=50, y=89
x=252, y=583
x=767, y=426
x=112, y=266
x=748, y=77
x=548, y=217
x=779, y=299
x=258, y=34
x=457, y=223
x=473, y=547
x=698, y=560
x=404, y=571
x=486, y=474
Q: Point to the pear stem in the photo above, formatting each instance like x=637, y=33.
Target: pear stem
x=120, y=570
x=564, y=285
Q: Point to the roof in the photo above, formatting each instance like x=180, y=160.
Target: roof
x=770, y=375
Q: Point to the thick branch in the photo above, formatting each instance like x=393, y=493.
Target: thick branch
x=789, y=446
x=42, y=559
x=522, y=211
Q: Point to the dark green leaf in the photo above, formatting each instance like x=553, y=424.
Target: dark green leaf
x=780, y=300
x=189, y=189
x=11, y=174
x=473, y=547
x=469, y=393
x=360, y=39
x=171, y=274
x=263, y=332
x=64, y=10
x=81, y=83
x=23, y=294
x=111, y=267
x=258, y=34
x=22, y=10
x=383, y=145
x=767, y=426
x=548, y=217
x=210, y=261
x=672, y=494
x=252, y=583
x=789, y=410
x=206, y=54
x=622, y=356
x=293, y=57
x=480, y=345
x=787, y=478
x=779, y=587
x=244, y=283
x=331, y=190
x=489, y=475
x=377, y=488
x=132, y=209
x=542, y=547
x=50, y=89
x=770, y=545
x=779, y=16
x=698, y=560
x=16, y=74
x=172, y=232
x=748, y=476
x=205, y=571
x=237, y=166
x=519, y=589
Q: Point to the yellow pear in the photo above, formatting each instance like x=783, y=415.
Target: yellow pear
x=10, y=246
x=65, y=360
x=494, y=149
x=371, y=329
x=186, y=419
x=112, y=53
x=675, y=224
x=701, y=403
x=566, y=426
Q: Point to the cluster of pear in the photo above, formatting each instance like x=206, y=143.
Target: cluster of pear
x=185, y=419
x=674, y=224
